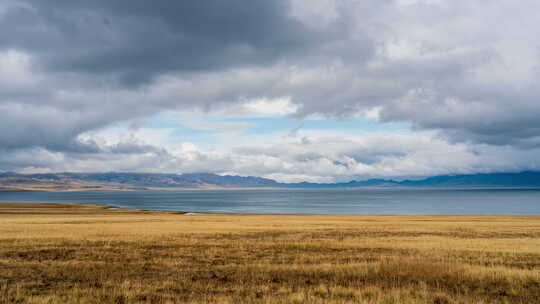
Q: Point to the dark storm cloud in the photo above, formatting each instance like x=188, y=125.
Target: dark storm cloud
x=85, y=63
x=137, y=39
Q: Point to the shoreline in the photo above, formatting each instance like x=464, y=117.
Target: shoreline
x=21, y=207
x=83, y=189
x=118, y=210
x=135, y=188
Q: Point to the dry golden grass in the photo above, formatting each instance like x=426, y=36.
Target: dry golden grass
x=90, y=254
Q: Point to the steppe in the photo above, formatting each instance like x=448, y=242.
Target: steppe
x=54, y=253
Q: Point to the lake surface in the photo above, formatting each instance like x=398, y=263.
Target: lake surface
x=307, y=201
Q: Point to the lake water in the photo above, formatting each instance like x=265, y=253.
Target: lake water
x=307, y=201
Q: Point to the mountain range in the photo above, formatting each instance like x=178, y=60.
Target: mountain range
x=113, y=180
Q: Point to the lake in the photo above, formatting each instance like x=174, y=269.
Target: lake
x=307, y=201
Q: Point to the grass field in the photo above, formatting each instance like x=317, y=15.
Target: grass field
x=76, y=254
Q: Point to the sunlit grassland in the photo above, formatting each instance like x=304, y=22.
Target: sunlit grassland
x=74, y=254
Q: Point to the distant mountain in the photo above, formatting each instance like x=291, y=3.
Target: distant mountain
x=113, y=179
x=208, y=180
x=523, y=179
x=367, y=183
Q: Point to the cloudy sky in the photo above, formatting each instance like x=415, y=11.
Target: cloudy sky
x=316, y=90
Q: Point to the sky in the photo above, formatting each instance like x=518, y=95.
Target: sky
x=319, y=90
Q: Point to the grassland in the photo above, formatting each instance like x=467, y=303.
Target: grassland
x=91, y=254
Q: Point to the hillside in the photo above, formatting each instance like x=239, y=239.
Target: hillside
x=112, y=180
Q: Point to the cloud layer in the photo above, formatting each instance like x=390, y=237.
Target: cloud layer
x=461, y=73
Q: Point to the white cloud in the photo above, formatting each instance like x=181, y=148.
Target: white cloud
x=270, y=107
x=327, y=156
